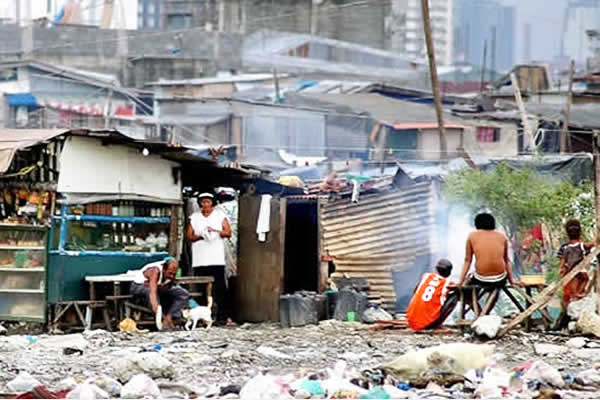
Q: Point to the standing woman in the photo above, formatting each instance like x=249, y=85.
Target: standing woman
x=207, y=230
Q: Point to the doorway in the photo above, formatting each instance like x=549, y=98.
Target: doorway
x=301, y=260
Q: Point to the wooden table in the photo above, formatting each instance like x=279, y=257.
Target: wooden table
x=117, y=280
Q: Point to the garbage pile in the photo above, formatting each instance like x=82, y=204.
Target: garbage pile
x=334, y=359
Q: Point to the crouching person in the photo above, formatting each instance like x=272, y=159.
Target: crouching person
x=156, y=284
x=428, y=308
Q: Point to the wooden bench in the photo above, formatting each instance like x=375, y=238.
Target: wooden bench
x=61, y=309
x=470, y=297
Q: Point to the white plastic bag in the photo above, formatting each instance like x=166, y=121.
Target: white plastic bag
x=139, y=387
x=545, y=373
x=23, y=383
x=266, y=387
x=87, y=391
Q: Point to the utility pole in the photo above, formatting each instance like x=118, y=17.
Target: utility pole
x=565, y=138
x=596, y=151
x=435, y=84
x=493, y=56
x=483, y=66
x=527, y=133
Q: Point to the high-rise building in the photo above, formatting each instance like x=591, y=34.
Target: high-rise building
x=481, y=23
x=149, y=14
x=580, y=16
x=409, y=37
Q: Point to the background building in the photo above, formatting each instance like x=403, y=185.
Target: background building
x=580, y=16
x=481, y=21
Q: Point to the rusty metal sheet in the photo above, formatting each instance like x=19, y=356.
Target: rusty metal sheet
x=382, y=233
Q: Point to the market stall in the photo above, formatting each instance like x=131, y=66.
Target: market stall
x=27, y=202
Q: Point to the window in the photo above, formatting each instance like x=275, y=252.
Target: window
x=178, y=21
x=488, y=134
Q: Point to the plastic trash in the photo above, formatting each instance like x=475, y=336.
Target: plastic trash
x=487, y=325
x=544, y=373
x=266, y=387
x=589, y=377
x=376, y=393
x=374, y=314
x=403, y=386
x=109, y=385
x=67, y=384
x=24, y=382
x=313, y=387
x=271, y=352
x=589, y=323
x=87, y=391
x=156, y=347
x=31, y=339
x=141, y=386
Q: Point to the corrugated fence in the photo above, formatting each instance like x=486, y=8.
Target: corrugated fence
x=383, y=233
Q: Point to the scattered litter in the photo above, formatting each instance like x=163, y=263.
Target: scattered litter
x=140, y=386
x=24, y=382
x=576, y=343
x=271, y=352
x=153, y=364
x=487, y=325
x=87, y=391
x=545, y=349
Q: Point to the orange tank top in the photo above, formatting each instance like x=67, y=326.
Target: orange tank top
x=426, y=303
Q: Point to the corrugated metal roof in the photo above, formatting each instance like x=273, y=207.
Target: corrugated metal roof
x=383, y=233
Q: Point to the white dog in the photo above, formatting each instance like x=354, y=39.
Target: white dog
x=200, y=313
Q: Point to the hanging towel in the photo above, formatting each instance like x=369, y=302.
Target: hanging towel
x=264, y=218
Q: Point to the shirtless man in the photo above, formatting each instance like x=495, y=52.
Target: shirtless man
x=490, y=248
x=155, y=283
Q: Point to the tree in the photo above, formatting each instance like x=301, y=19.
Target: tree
x=521, y=199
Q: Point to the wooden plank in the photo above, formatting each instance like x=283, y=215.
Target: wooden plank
x=531, y=301
x=546, y=295
x=491, y=301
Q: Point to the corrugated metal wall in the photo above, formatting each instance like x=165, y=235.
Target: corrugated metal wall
x=382, y=234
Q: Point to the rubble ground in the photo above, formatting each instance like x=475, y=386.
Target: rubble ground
x=207, y=360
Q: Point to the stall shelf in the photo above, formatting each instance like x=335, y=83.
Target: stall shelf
x=23, y=272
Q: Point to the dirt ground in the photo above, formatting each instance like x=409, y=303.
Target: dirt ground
x=208, y=359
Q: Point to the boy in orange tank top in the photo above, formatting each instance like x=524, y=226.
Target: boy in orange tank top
x=428, y=307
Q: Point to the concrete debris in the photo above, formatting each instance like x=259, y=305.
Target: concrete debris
x=141, y=386
x=576, y=343
x=551, y=350
x=3, y=330
x=153, y=364
x=487, y=325
x=589, y=323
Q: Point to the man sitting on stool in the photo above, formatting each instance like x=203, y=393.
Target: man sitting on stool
x=428, y=308
x=155, y=283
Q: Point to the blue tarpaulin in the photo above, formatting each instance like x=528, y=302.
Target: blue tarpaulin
x=22, y=99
